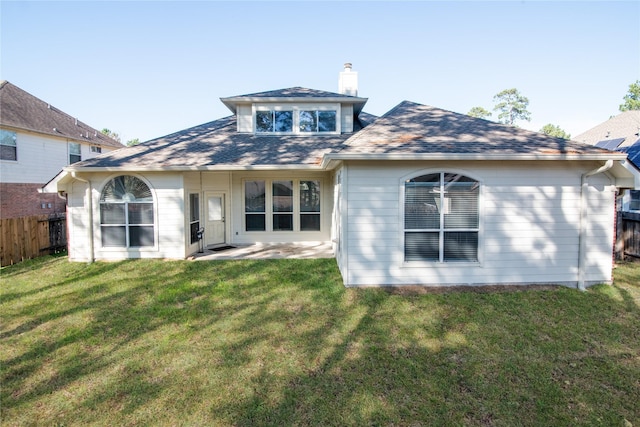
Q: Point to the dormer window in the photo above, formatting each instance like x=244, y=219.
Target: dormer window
x=274, y=121
x=279, y=120
x=317, y=121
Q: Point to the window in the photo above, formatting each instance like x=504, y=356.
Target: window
x=295, y=121
x=75, y=155
x=254, y=205
x=634, y=202
x=282, y=205
x=8, y=145
x=441, y=220
x=274, y=121
x=96, y=149
x=194, y=216
x=317, y=121
x=127, y=213
x=309, y=205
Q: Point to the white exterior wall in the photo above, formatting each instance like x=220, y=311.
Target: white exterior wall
x=346, y=118
x=245, y=118
x=40, y=158
x=529, y=225
x=167, y=189
x=236, y=219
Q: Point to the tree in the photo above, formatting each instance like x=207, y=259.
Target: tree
x=553, y=130
x=512, y=106
x=632, y=98
x=479, y=112
x=111, y=134
x=132, y=142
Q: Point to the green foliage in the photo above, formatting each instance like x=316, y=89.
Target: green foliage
x=282, y=342
x=133, y=142
x=111, y=134
x=632, y=98
x=479, y=112
x=512, y=106
x=554, y=130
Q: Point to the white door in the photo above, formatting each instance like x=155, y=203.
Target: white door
x=214, y=227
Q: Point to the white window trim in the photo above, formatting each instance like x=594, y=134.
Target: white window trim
x=15, y=146
x=125, y=249
x=439, y=264
x=269, y=206
x=296, y=108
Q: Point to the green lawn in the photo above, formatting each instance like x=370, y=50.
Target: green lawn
x=282, y=342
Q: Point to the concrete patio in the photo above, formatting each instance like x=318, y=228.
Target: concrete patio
x=267, y=251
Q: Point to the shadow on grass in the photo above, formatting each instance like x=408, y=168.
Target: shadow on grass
x=281, y=342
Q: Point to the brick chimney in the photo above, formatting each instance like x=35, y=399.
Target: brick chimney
x=348, y=81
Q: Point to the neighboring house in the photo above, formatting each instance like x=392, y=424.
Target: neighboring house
x=419, y=196
x=36, y=141
x=620, y=133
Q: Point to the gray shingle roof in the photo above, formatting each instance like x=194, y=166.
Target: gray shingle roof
x=295, y=92
x=19, y=109
x=625, y=125
x=415, y=128
x=218, y=143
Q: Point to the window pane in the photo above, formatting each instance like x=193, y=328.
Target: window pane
x=141, y=236
x=283, y=222
x=308, y=121
x=283, y=196
x=74, y=148
x=254, y=196
x=194, y=207
x=8, y=138
x=421, y=246
x=264, y=121
x=126, y=188
x=193, y=228
x=74, y=158
x=461, y=246
x=284, y=121
x=309, y=196
x=461, y=198
x=215, y=208
x=255, y=222
x=140, y=213
x=326, y=121
x=114, y=236
x=8, y=153
x=112, y=213
x=310, y=222
x=421, y=205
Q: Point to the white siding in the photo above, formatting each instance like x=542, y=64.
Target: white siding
x=245, y=118
x=40, y=158
x=346, y=118
x=529, y=225
x=167, y=189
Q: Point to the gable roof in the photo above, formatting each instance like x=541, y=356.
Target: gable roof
x=625, y=125
x=411, y=130
x=294, y=94
x=21, y=110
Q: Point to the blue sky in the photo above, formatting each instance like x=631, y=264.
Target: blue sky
x=145, y=69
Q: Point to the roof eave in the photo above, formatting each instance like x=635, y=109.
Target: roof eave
x=193, y=168
x=231, y=102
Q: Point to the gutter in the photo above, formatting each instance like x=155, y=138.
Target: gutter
x=582, y=236
x=74, y=175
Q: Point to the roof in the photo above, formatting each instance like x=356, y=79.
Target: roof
x=217, y=144
x=625, y=125
x=294, y=94
x=21, y=110
x=415, y=129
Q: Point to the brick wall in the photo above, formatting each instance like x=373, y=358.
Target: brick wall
x=18, y=200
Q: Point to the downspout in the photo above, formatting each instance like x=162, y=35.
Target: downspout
x=583, y=221
x=92, y=257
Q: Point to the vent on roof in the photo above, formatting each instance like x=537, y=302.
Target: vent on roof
x=610, y=144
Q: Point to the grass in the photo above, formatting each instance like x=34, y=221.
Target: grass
x=282, y=342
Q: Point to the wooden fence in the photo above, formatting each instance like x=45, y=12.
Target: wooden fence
x=31, y=237
x=628, y=239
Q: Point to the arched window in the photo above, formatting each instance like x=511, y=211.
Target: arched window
x=441, y=221
x=126, y=213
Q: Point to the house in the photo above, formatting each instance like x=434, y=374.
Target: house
x=36, y=141
x=419, y=196
x=620, y=133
